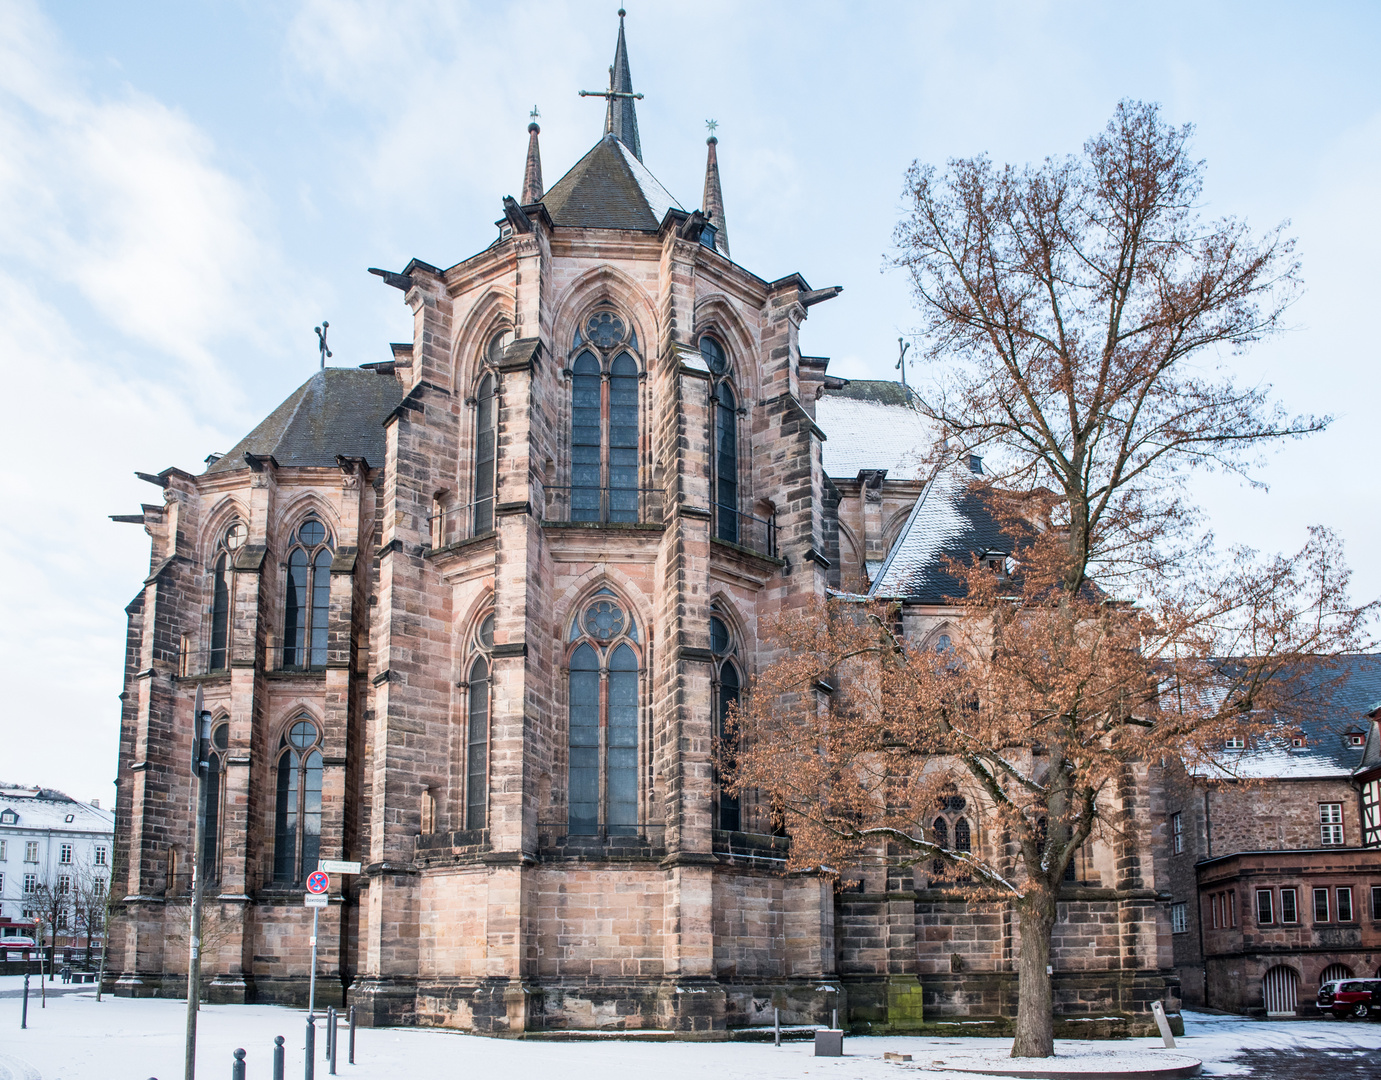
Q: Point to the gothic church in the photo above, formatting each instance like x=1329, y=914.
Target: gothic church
x=473, y=615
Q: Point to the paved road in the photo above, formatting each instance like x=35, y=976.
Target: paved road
x=1304, y=1063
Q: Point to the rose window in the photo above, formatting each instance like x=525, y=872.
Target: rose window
x=604, y=620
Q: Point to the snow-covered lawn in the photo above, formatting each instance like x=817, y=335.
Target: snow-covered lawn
x=76, y=1038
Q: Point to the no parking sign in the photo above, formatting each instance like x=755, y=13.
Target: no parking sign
x=318, y=881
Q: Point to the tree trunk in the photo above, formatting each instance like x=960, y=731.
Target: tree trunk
x=1035, y=1008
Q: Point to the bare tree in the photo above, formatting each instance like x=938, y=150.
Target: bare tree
x=91, y=902
x=1078, y=309
x=51, y=903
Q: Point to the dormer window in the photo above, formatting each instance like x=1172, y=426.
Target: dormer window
x=1356, y=738
x=1235, y=742
x=1298, y=742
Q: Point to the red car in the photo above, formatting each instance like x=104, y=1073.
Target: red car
x=1350, y=997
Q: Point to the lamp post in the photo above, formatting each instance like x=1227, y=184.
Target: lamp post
x=201, y=742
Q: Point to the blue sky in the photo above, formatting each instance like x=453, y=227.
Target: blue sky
x=187, y=188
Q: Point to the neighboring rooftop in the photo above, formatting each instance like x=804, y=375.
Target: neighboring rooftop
x=948, y=520
x=338, y=411
x=1350, y=685
x=609, y=188
x=872, y=424
x=45, y=808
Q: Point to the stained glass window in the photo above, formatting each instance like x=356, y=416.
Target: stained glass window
x=297, y=824
x=484, y=456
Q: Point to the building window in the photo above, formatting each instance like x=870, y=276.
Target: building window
x=212, y=844
x=31, y=851
x=8, y=817
x=4, y=850
x=1177, y=831
x=98, y=855
x=726, y=464
x=297, y=826
x=1265, y=914
x=963, y=839
x=1321, y=905
x=1356, y=738
x=2, y=884
x=64, y=884
x=1236, y=742
x=65, y=854
x=486, y=436
x=223, y=592
x=1214, y=906
x=1289, y=907
x=1345, y=904
x=726, y=685
x=30, y=884
x=306, y=615
x=604, y=676
x=1331, y=823
x=1232, y=908
x=604, y=422
x=1376, y=902
x=477, y=731
x=1371, y=813
x=1179, y=918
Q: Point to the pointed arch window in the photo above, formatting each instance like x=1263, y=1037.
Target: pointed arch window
x=725, y=452
x=486, y=430
x=725, y=688
x=307, y=611
x=605, y=422
x=604, y=679
x=222, y=593
x=297, y=817
x=477, y=726
x=212, y=842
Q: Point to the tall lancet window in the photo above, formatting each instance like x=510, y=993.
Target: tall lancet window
x=212, y=843
x=725, y=686
x=605, y=658
x=725, y=451
x=604, y=421
x=222, y=593
x=297, y=818
x=485, y=441
x=307, y=611
x=477, y=732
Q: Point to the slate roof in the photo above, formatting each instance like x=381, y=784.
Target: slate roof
x=1352, y=686
x=336, y=411
x=871, y=424
x=949, y=519
x=609, y=188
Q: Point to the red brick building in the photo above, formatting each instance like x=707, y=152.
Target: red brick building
x=1276, y=876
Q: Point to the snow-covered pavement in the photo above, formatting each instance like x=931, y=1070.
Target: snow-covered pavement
x=77, y=1038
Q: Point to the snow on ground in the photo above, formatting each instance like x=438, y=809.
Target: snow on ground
x=77, y=1038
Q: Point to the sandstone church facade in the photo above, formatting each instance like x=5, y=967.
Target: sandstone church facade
x=473, y=615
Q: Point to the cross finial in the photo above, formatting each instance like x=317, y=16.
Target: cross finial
x=903, y=345
x=321, y=341
x=534, y=114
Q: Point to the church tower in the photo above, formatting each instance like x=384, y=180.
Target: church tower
x=474, y=616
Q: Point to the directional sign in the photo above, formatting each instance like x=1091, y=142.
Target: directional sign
x=314, y=900
x=318, y=881
x=338, y=866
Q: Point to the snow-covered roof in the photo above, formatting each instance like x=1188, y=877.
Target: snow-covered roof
x=949, y=520
x=1350, y=684
x=43, y=808
x=872, y=424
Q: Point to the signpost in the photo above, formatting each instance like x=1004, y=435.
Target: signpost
x=201, y=742
x=318, y=881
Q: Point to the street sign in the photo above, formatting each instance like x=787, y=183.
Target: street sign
x=338, y=866
x=318, y=881
x=315, y=900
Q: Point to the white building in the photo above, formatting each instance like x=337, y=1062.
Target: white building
x=48, y=837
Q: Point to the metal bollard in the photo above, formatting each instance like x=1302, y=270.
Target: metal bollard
x=330, y=1028
x=278, y=1057
x=237, y=1071
x=834, y=1019
x=24, y=1016
x=776, y=1027
x=309, y=1069
x=352, y=1034
x=335, y=1038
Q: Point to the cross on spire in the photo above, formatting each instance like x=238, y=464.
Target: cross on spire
x=321, y=341
x=620, y=118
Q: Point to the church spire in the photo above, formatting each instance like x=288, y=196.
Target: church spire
x=621, y=119
x=713, y=202
x=532, y=175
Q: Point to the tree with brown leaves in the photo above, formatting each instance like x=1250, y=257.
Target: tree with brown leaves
x=1075, y=310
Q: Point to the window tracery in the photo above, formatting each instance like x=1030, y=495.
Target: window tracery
x=222, y=592
x=480, y=683
x=725, y=688
x=604, y=421
x=604, y=678
x=307, y=609
x=297, y=818
x=725, y=456
x=213, y=838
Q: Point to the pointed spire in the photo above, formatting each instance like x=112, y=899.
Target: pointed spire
x=713, y=202
x=621, y=119
x=532, y=175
